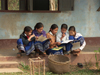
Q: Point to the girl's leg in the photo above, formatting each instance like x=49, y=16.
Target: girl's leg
x=20, y=47
x=42, y=53
x=68, y=48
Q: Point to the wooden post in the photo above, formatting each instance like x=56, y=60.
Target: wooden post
x=44, y=67
x=33, y=67
x=39, y=67
x=4, y=4
x=30, y=67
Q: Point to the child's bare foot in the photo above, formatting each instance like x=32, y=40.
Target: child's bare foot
x=76, y=54
x=44, y=54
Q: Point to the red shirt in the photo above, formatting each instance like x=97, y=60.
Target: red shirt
x=27, y=36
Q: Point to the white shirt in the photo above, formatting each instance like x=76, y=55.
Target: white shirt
x=59, y=35
x=84, y=43
x=52, y=33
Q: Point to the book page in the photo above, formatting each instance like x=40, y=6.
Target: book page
x=41, y=38
x=76, y=46
x=67, y=41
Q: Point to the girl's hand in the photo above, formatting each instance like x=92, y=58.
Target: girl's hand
x=32, y=36
x=58, y=43
x=63, y=35
x=56, y=46
x=36, y=37
x=29, y=39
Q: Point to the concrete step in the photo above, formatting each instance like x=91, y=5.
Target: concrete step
x=10, y=70
x=9, y=64
x=82, y=58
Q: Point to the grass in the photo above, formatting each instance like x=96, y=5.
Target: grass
x=80, y=72
x=74, y=71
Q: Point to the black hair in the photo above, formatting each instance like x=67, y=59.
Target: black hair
x=72, y=28
x=38, y=25
x=53, y=26
x=64, y=26
x=27, y=29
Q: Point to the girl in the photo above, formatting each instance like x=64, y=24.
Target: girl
x=52, y=34
x=40, y=46
x=38, y=30
x=64, y=36
x=78, y=38
x=26, y=41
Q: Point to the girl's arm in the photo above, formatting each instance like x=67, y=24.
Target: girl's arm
x=44, y=34
x=82, y=42
x=83, y=45
x=31, y=38
x=52, y=41
x=58, y=38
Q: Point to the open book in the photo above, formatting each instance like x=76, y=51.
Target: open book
x=41, y=38
x=67, y=41
x=76, y=45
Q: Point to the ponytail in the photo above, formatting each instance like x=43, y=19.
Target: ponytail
x=27, y=29
x=53, y=26
x=38, y=25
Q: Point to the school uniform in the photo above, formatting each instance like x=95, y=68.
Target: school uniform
x=78, y=38
x=53, y=40
x=68, y=46
x=25, y=45
x=42, y=46
x=59, y=35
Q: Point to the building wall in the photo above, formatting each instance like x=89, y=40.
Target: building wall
x=85, y=18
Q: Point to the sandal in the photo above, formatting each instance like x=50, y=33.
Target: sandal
x=36, y=54
x=31, y=55
x=80, y=65
x=19, y=55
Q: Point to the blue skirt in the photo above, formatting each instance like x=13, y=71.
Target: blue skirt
x=28, y=49
x=42, y=46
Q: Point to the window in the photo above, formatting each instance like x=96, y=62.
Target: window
x=36, y=5
x=51, y=5
x=13, y=4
